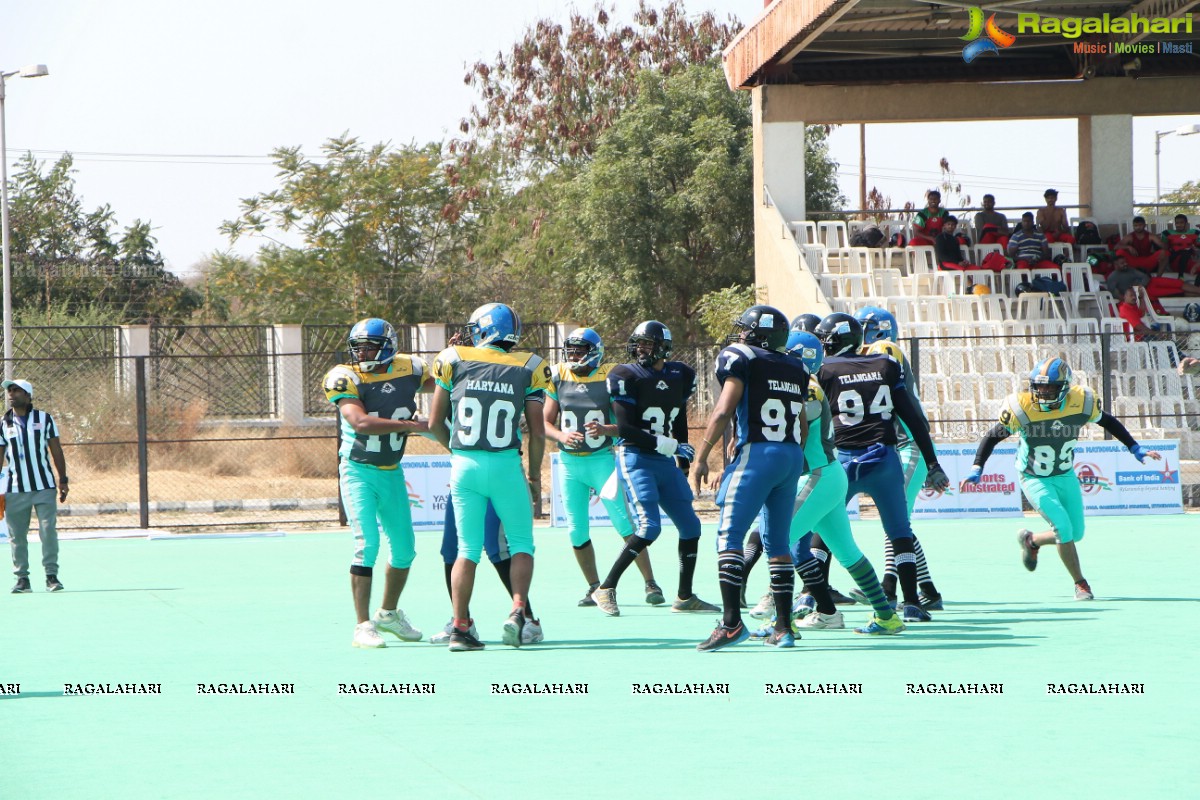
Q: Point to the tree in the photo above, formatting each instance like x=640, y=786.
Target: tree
x=375, y=237
x=1184, y=200
x=821, y=192
x=662, y=214
x=67, y=261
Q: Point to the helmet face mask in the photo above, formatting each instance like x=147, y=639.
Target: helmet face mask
x=762, y=326
x=840, y=334
x=583, y=350
x=1049, y=383
x=494, y=324
x=650, y=343
x=372, y=343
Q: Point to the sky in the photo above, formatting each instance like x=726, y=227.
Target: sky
x=171, y=109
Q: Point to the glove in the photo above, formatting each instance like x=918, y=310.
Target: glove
x=686, y=452
x=666, y=446
x=976, y=471
x=937, y=478
x=1139, y=453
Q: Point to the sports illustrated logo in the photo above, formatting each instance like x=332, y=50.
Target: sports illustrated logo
x=1091, y=479
x=993, y=39
x=662, y=385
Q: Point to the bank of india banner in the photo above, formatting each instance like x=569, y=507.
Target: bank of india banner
x=428, y=479
x=1112, y=481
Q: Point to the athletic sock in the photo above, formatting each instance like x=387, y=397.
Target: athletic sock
x=449, y=571
x=906, y=569
x=782, y=586
x=890, y=576
x=924, y=580
x=687, y=566
x=731, y=567
x=864, y=575
x=814, y=582
x=634, y=545
x=820, y=551
x=752, y=552
x=504, y=570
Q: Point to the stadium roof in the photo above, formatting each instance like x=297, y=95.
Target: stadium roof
x=919, y=41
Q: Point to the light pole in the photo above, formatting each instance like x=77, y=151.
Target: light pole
x=34, y=71
x=1182, y=130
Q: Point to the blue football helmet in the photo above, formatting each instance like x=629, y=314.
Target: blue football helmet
x=583, y=350
x=878, y=324
x=840, y=333
x=372, y=333
x=1049, y=383
x=806, y=322
x=806, y=347
x=494, y=324
x=658, y=335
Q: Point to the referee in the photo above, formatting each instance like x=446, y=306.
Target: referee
x=29, y=438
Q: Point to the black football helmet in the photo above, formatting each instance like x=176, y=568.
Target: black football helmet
x=658, y=335
x=841, y=334
x=762, y=326
x=806, y=322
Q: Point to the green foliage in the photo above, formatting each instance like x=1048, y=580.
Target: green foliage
x=1188, y=193
x=719, y=308
x=821, y=192
x=662, y=214
x=376, y=240
x=69, y=263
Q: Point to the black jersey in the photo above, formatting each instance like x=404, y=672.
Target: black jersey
x=861, y=391
x=657, y=398
x=776, y=388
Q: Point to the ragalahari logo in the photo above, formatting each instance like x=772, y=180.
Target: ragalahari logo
x=993, y=41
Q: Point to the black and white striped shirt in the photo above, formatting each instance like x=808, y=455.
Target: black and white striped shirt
x=27, y=452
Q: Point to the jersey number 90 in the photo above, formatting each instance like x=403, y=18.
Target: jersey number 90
x=471, y=421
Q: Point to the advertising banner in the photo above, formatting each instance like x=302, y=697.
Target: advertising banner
x=1114, y=483
x=996, y=495
x=428, y=479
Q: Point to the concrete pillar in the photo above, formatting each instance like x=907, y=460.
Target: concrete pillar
x=429, y=337
x=132, y=340
x=1106, y=167
x=287, y=372
x=782, y=163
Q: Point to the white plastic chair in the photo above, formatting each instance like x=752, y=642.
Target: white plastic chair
x=836, y=239
x=1079, y=277
x=804, y=231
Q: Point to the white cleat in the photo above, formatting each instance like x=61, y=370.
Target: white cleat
x=816, y=621
x=532, y=632
x=366, y=636
x=397, y=624
x=765, y=608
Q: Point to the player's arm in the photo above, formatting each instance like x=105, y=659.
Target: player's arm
x=537, y=442
x=731, y=394
x=906, y=409
x=1122, y=435
x=439, y=409
x=553, y=432
x=60, y=466
x=627, y=427
x=355, y=414
x=998, y=433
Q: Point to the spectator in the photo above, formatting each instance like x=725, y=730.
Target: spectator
x=1123, y=277
x=1027, y=246
x=1182, y=247
x=990, y=225
x=29, y=441
x=1142, y=249
x=929, y=220
x=948, y=249
x=1053, y=220
x=1132, y=309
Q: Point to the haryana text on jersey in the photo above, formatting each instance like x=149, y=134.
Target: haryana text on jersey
x=1048, y=438
x=488, y=388
x=861, y=392
x=658, y=398
x=775, y=389
x=391, y=395
x=582, y=399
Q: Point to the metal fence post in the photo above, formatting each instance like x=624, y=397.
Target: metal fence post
x=143, y=455
x=1106, y=377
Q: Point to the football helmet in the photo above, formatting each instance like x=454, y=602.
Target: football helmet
x=583, y=350
x=372, y=333
x=1049, y=383
x=762, y=326
x=806, y=322
x=806, y=347
x=878, y=324
x=658, y=335
x=494, y=324
x=840, y=334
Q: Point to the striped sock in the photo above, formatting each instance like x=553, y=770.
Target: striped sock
x=782, y=586
x=924, y=580
x=864, y=575
x=731, y=566
x=814, y=584
x=752, y=551
x=906, y=567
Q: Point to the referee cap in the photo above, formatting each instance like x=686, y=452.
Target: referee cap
x=26, y=385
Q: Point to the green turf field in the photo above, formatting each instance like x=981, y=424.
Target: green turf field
x=277, y=611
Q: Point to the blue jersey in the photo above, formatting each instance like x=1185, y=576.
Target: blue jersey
x=657, y=398
x=861, y=389
x=776, y=389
